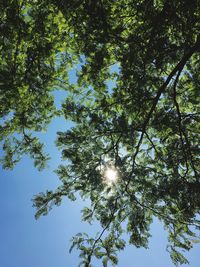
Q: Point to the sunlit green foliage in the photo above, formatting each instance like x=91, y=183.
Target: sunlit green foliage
x=33, y=38
x=135, y=107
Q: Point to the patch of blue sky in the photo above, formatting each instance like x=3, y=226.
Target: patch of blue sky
x=111, y=83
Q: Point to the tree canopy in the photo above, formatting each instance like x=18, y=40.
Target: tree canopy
x=135, y=109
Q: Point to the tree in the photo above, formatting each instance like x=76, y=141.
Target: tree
x=144, y=128
x=30, y=50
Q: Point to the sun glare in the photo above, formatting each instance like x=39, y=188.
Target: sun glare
x=111, y=175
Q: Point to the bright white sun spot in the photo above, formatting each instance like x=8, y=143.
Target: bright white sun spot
x=110, y=175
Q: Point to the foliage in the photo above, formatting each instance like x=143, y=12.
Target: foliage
x=29, y=73
x=135, y=108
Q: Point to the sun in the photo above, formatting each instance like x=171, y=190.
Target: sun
x=111, y=175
